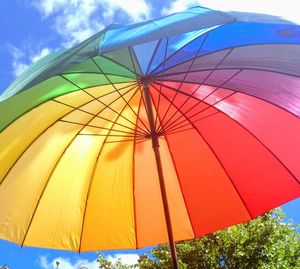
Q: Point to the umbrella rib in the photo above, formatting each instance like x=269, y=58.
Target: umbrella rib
x=188, y=43
x=98, y=127
x=153, y=55
x=119, y=93
x=133, y=55
x=183, y=124
x=141, y=141
x=127, y=140
x=99, y=117
x=179, y=125
x=110, y=135
x=143, y=100
x=185, y=100
x=93, y=174
x=106, y=94
x=178, y=128
x=171, y=128
x=219, y=161
x=105, y=57
x=166, y=126
x=186, y=73
x=130, y=86
x=142, y=130
x=133, y=176
x=181, y=82
x=48, y=179
x=95, y=73
x=152, y=58
x=139, y=85
x=131, y=58
x=106, y=106
x=169, y=125
x=160, y=86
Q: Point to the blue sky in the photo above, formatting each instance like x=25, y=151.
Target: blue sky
x=30, y=29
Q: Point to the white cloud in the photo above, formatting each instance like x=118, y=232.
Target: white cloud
x=287, y=9
x=178, y=5
x=47, y=7
x=129, y=259
x=21, y=60
x=43, y=52
x=76, y=20
x=137, y=10
x=66, y=263
x=18, y=63
x=19, y=68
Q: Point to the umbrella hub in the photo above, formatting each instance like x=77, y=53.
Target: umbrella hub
x=143, y=80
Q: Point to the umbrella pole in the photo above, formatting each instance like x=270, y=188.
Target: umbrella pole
x=155, y=146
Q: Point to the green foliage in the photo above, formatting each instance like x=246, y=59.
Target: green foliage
x=264, y=243
x=104, y=263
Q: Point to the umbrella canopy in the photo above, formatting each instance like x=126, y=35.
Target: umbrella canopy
x=219, y=93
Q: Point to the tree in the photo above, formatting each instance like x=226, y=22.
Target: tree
x=104, y=263
x=264, y=243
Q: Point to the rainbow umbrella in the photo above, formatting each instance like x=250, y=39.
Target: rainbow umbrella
x=153, y=132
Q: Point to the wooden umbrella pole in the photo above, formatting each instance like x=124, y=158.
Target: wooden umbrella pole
x=155, y=146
